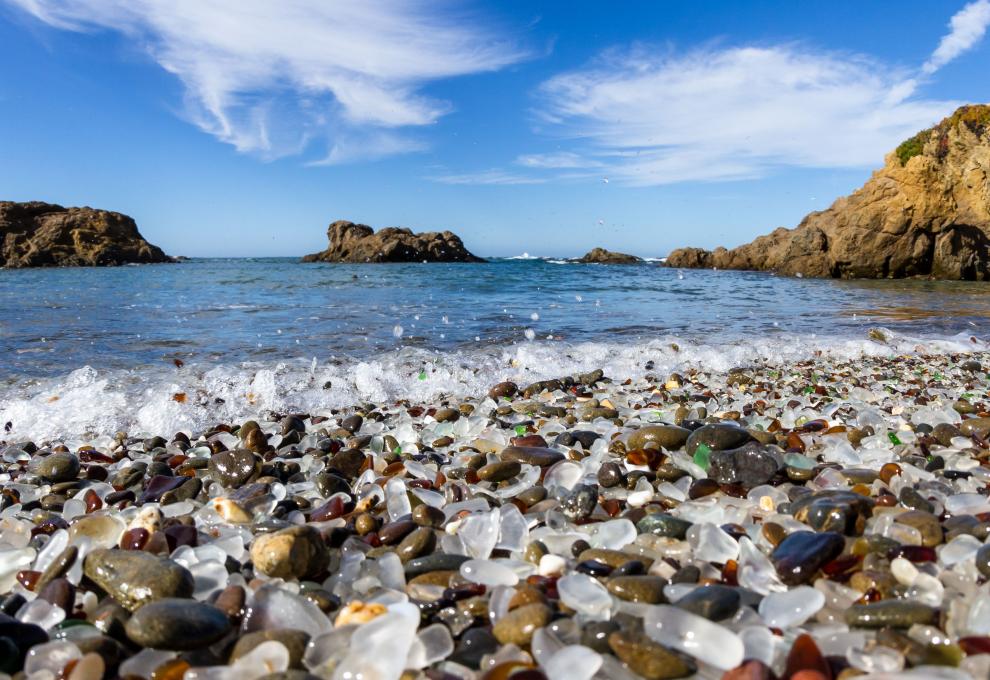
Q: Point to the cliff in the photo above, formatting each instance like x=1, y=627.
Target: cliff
x=925, y=213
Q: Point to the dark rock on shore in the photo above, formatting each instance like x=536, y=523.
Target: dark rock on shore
x=602, y=256
x=37, y=234
x=358, y=243
x=926, y=213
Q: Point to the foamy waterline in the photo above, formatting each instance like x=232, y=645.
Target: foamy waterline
x=89, y=406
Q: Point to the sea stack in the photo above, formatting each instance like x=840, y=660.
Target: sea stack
x=602, y=256
x=925, y=213
x=359, y=243
x=37, y=234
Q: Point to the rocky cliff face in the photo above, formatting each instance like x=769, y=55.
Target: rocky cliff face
x=351, y=242
x=602, y=256
x=39, y=234
x=925, y=213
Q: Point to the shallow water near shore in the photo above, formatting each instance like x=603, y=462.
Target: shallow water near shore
x=94, y=350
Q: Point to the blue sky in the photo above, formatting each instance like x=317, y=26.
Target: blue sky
x=243, y=127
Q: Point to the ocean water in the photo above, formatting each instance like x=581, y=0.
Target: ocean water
x=87, y=352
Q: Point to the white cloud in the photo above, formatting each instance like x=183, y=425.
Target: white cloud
x=272, y=76
x=488, y=177
x=648, y=116
x=561, y=159
x=967, y=27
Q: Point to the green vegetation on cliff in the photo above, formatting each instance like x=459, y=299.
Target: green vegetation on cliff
x=975, y=117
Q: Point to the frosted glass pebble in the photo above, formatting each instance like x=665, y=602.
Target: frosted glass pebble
x=755, y=571
x=759, y=643
x=50, y=657
x=396, y=499
x=41, y=613
x=268, y=657
x=55, y=545
x=14, y=533
x=792, y=607
x=959, y=549
x=513, y=529
x=325, y=651
x=585, y=595
x=694, y=635
x=273, y=607
x=551, y=565
x=11, y=562
x=488, y=573
x=544, y=645
x=565, y=474
x=479, y=533
x=711, y=544
x=209, y=576
x=380, y=648
x=877, y=660
x=437, y=643
x=573, y=662
x=614, y=534
x=903, y=570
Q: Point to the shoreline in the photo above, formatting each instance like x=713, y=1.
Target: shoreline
x=568, y=524
x=86, y=406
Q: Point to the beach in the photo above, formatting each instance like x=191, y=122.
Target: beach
x=815, y=510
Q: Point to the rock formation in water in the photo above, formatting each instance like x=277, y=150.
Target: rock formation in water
x=926, y=213
x=602, y=256
x=39, y=234
x=351, y=242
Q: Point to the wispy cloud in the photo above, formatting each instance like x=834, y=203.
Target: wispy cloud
x=272, y=78
x=562, y=159
x=648, y=116
x=966, y=28
x=487, y=177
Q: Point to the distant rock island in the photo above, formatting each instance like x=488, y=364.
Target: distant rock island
x=602, y=256
x=926, y=213
x=356, y=243
x=37, y=234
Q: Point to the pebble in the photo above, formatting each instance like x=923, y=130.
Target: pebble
x=894, y=613
x=135, y=578
x=770, y=517
x=517, y=627
x=499, y=471
x=648, y=659
x=177, y=624
x=750, y=466
x=713, y=602
x=233, y=469
x=56, y=467
x=296, y=552
x=669, y=437
x=717, y=437
x=648, y=589
x=801, y=554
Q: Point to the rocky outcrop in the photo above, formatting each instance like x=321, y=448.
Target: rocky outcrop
x=926, y=213
x=39, y=234
x=602, y=256
x=351, y=242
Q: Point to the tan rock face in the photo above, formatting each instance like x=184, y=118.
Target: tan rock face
x=925, y=213
x=356, y=243
x=46, y=235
